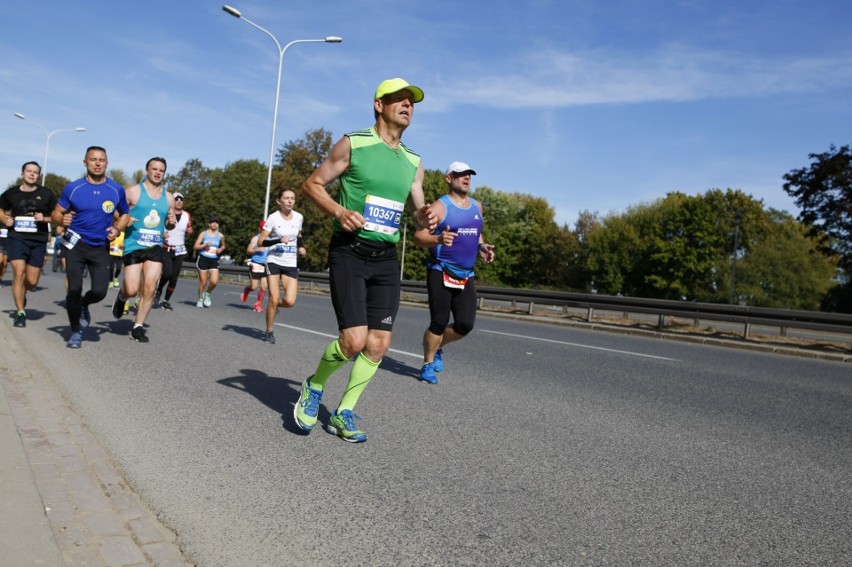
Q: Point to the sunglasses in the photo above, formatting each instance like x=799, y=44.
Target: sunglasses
x=178, y=198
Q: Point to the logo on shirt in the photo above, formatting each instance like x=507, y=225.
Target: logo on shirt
x=108, y=206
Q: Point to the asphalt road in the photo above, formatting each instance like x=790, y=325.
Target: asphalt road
x=540, y=445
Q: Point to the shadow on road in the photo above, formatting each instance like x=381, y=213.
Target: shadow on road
x=251, y=332
x=399, y=368
x=278, y=394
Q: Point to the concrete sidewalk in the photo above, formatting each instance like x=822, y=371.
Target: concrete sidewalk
x=62, y=500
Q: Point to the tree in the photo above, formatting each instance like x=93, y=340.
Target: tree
x=192, y=177
x=533, y=251
x=784, y=268
x=823, y=192
x=684, y=247
x=296, y=161
x=236, y=196
x=120, y=177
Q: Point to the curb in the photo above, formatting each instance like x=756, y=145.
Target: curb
x=92, y=516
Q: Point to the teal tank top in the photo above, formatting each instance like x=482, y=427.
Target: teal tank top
x=147, y=230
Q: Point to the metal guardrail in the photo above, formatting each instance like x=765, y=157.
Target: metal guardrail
x=748, y=316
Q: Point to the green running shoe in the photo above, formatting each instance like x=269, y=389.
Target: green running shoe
x=343, y=425
x=306, y=409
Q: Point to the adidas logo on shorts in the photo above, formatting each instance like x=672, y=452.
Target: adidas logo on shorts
x=387, y=320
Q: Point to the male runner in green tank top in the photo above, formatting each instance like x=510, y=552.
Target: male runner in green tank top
x=378, y=176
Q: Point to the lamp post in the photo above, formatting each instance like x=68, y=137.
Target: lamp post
x=47, y=144
x=330, y=39
x=738, y=217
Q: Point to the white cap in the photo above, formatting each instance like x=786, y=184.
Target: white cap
x=460, y=167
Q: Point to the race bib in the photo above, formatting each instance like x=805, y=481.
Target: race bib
x=148, y=238
x=382, y=215
x=285, y=248
x=455, y=283
x=257, y=268
x=4, y=232
x=70, y=239
x=25, y=224
x=180, y=250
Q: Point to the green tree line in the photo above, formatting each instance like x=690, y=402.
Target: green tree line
x=721, y=246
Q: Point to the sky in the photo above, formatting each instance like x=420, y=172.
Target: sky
x=594, y=105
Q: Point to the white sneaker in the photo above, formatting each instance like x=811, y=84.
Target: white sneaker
x=207, y=301
x=200, y=303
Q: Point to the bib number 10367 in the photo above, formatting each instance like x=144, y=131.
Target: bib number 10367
x=382, y=215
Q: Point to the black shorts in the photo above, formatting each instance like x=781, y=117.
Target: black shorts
x=152, y=254
x=278, y=270
x=257, y=271
x=204, y=264
x=445, y=300
x=32, y=251
x=365, y=285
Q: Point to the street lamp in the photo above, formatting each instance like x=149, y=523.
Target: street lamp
x=330, y=39
x=47, y=144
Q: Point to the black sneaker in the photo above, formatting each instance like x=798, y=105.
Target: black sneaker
x=268, y=337
x=166, y=306
x=118, y=306
x=157, y=299
x=21, y=320
x=138, y=335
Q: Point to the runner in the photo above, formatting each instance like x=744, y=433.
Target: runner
x=210, y=244
x=25, y=211
x=58, y=263
x=151, y=213
x=4, y=233
x=116, y=253
x=175, y=252
x=283, y=230
x=378, y=174
x=453, y=247
x=87, y=208
x=257, y=271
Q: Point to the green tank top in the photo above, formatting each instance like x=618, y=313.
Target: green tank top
x=377, y=184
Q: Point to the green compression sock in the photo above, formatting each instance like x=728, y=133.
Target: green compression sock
x=362, y=372
x=332, y=360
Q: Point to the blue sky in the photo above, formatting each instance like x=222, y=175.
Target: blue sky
x=593, y=105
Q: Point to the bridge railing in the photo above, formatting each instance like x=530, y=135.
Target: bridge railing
x=593, y=304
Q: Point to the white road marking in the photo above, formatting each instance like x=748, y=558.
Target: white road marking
x=577, y=345
x=397, y=351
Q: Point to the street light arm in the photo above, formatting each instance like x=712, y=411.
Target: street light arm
x=329, y=39
x=47, y=143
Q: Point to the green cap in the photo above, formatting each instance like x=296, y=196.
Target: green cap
x=391, y=86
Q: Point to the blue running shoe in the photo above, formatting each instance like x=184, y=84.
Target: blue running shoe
x=438, y=361
x=85, y=317
x=343, y=425
x=76, y=340
x=306, y=409
x=427, y=373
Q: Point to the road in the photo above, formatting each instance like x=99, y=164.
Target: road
x=540, y=445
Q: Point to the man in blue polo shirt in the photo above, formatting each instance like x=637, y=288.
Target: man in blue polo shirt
x=87, y=208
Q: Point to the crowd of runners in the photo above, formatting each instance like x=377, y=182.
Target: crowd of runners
x=135, y=239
